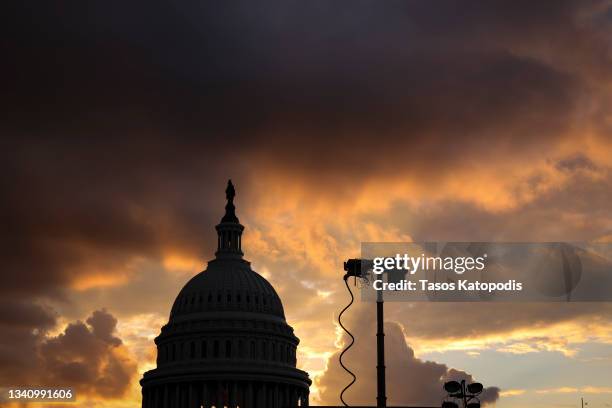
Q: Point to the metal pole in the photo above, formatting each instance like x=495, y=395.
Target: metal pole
x=381, y=397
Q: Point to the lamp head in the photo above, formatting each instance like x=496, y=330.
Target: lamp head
x=475, y=388
x=452, y=387
x=357, y=268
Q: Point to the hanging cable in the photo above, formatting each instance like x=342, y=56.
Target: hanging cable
x=349, y=346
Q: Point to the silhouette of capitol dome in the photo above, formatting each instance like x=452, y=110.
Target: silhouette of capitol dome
x=227, y=343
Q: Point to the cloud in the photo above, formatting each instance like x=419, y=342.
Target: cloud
x=575, y=390
x=24, y=326
x=450, y=320
x=389, y=121
x=85, y=356
x=410, y=380
x=511, y=392
x=416, y=104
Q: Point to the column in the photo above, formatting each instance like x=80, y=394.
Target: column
x=275, y=398
x=294, y=397
x=177, y=396
x=234, y=395
x=190, y=398
x=230, y=397
x=286, y=396
x=205, y=398
x=261, y=396
x=249, y=402
x=241, y=394
x=220, y=392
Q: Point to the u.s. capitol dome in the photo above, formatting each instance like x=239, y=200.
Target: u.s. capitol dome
x=227, y=343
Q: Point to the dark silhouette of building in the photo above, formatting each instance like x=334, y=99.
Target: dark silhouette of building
x=227, y=343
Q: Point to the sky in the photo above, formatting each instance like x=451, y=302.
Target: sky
x=339, y=123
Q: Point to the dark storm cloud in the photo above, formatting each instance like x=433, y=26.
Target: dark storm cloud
x=23, y=327
x=26, y=315
x=240, y=69
x=117, y=115
x=580, y=211
x=71, y=208
x=87, y=356
x=576, y=163
x=119, y=124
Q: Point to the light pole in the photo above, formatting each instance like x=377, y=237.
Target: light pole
x=357, y=268
x=467, y=394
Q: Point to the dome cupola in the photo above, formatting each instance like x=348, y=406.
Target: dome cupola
x=229, y=230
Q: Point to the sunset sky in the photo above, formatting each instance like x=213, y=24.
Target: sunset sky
x=338, y=122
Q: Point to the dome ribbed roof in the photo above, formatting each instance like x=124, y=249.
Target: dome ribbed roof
x=227, y=285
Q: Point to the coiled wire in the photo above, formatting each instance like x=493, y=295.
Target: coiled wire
x=347, y=347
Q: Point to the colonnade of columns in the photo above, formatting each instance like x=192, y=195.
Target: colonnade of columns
x=222, y=394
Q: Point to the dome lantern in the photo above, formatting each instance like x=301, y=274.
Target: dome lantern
x=229, y=230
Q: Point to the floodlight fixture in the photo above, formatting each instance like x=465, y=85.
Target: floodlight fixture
x=475, y=388
x=452, y=387
x=467, y=394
